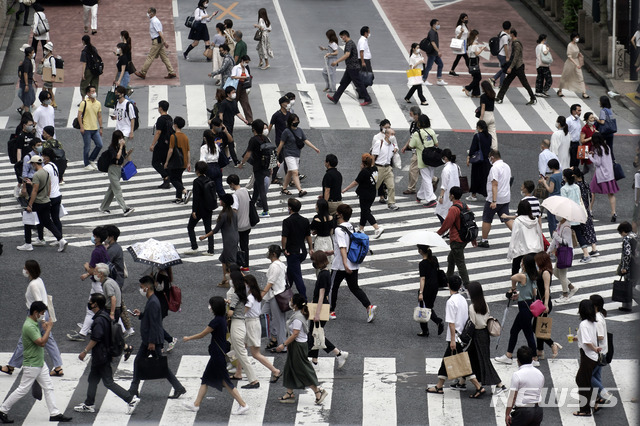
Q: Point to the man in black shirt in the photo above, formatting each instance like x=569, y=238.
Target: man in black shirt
x=434, y=54
x=332, y=183
x=295, y=230
x=254, y=152
x=160, y=144
x=228, y=110
x=352, y=73
x=279, y=120
x=24, y=138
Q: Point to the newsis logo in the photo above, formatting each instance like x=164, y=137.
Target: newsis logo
x=556, y=397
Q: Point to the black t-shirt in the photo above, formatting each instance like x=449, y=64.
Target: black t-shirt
x=24, y=143
x=333, y=180
x=229, y=110
x=367, y=182
x=433, y=36
x=323, y=281
x=164, y=123
x=279, y=121
x=254, y=148
x=123, y=60
x=429, y=270
x=489, y=103
x=353, y=61
x=296, y=229
x=322, y=228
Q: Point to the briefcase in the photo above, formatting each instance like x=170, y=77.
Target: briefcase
x=543, y=327
x=458, y=365
x=153, y=368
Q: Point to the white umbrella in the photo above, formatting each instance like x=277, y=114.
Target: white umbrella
x=427, y=238
x=155, y=253
x=565, y=208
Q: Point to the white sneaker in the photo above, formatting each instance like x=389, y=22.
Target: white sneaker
x=191, y=252
x=442, y=83
x=471, y=198
x=371, y=313
x=84, y=408
x=104, y=211
x=39, y=243
x=63, y=245
x=89, y=167
x=504, y=359
x=562, y=300
x=378, y=232
x=53, y=243
x=342, y=358
x=426, y=83
x=132, y=405
x=535, y=363
x=94, y=165
x=585, y=259
x=16, y=192
x=572, y=292
x=241, y=410
x=172, y=344
x=25, y=247
x=189, y=406
x=606, y=394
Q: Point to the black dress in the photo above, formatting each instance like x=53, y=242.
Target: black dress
x=480, y=171
x=540, y=283
x=429, y=270
x=215, y=372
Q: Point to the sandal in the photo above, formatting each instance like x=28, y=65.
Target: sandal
x=285, y=192
x=323, y=394
x=7, y=369
x=434, y=389
x=560, y=95
x=275, y=378
x=585, y=96
x=601, y=401
x=302, y=193
x=288, y=398
x=478, y=393
x=581, y=414
x=272, y=344
x=57, y=372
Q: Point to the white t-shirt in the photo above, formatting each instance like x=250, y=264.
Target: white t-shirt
x=384, y=152
x=254, y=307
x=207, y=156
x=457, y=312
x=123, y=120
x=636, y=185
x=341, y=239
x=415, y=59
x=500, y=172
x=43, y=116
x=528, y=381
x=449, y=178
x=35, y=292
x=237, y=71
x=296, y=324
x=587, y=333
x=55, y=180
x=541, y=47
x=275, y=276
x=504, y=41
x=363, y=44
x=601, y=330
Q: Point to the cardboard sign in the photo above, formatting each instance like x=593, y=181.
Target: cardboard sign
x=46, y=75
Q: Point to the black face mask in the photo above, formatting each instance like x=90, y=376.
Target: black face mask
x=89, y=305
x=222, y=55
x=294, y=124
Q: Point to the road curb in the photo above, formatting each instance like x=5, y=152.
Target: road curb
x=6, y=33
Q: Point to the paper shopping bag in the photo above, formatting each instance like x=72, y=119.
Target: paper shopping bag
x=543, y=327
x=30, y=218
x=458, y=365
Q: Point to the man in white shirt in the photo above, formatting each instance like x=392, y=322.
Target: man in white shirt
x=342, y=268
x=125, y=114
x=158, y=46
x=48, y=155
x=456, y=315
x=503, y=54
x=544, y=157
x=383, y=152
x=525, y=393
x=498, y=195
x=575, y=126
x=241, y=205
x=363, y=49
x=44, y=115
x=377, y=138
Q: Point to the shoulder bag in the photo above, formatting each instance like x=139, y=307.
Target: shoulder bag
x=284, y=297
x=189, y=21
x=76, y=123
x=494, y=327
x=421, y=314
x=474, y=65
x=258, y=35
x=464, y=181
x=564, y=254
x=177, y=157
x=610, y=125
x=431, y=156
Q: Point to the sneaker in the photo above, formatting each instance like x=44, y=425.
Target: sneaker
x=172, y=344
x=187, y=197
x=535, y=363
x=498, y=100
x=382, y=200
x=84, y=408
x=471, y=198
x=500, y=390
x=483, y=244
x=133, y=404
x=62, y=245
x=177, y=201
x=594, y=253
x=504, y=359
x=39, y=243
x=572, y=292
x=331, y=99
x=393, y=207
x=76, y=337
x=430, y=204
x=16, y=191
x=4, y=418
x=585, y=259
x=89, y=168
x=332, y=316
x=532, y=101
x=426, y=83
x=365, y=103
x=25, y=247
x=442, y=83
x=562, y=300
x=189, y=406
x=240, y=410
x=244, y=269
x=342, y=358
x=453, y=73
x=128, y=211
x=191, y=252
x=264, y=214
x=94, y=165
x=371, y=312
x=104, y=211
x=130, y=332
x=53, y=243
x=378, y=232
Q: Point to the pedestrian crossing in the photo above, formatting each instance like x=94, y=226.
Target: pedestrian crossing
x=449, y=108
x=157, y=217
x=373, y=383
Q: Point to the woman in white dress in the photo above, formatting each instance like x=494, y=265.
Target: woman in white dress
x=449, y=178
x=560, y=142
x=571, y=78
x=264, y=44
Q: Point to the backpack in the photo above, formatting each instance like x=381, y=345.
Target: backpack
x=174, y=300
x=136, y=111
x=94, y=62
x=113, y=272
x=494, y=44
x=468, y=229
x=116, y=342
x=43, y=25
x=431, y=156
x=358, y=245
x=426, y=46
x=210, y=195
x=268, y=157
x=13, y=148
x=104, y=161
x=59, y=62
x=467, y=333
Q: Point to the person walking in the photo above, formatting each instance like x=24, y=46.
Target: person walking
x=523, y=291
x=49, y=61
x=152, y=336
x=329, y=70
x=561, y=142
x=90, y=15
x=602, y=395
x=90, y=121
x=474, y=49
x=298, y=373
x=260, y=171
x=451, y=224
x=40, y=29
x=279, y=120
x=123, y=77
x=414, y=171
x=227, y=112
x=215, y=373
x=628, y=267
x=90, y=60
x=223, y=141
x=116, y=256
x=241, y=72
x=562, y=236
x=552, y=183
x=160, y=144
x=242, y=206
x=292, y=141
x=428, y=269
x=603, y=181
x=589, y=351
x=526, y=236
x=59, y=156
x=276, y=284
x=383, y=153
x=125, y=113
x=525, y=392
x=503, y=53
x=351, y=73
x=498, y=194
x=225, y=65
x=606, y=114
x=199, y=209
x=515, y=68
x=462, y=33
x=364, y=53
x=55, y=196
x=571, y=191
x=26, y=84
x=480, y=168
x=575, y=126
x=199, y=30
x=295, y=232
x=420, y=140
x=264, y=44
x=34, y=368
x=449, y=178
x=487, y=108
x=332, y=183
x=175, y=163
x=118, y=154
x=588, y=230
x=586, y=134
x=240, y=48
x=229, y=35
x=218, y=40
x=44, y=115
x=366, y=192
x=163, y=280
x=342, y=268
x=543, y=283
x=24, y=8
x=227, y=224
x=415, y=59
x=158, y=46
x=572, y=78
x=433, y=54
x=544, y=80
x=321, y=227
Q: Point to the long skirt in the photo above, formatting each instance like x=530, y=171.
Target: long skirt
x=215, y=373
x=298, y=371
x=480, y=357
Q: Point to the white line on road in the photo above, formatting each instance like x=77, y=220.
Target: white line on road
x=379, y=381
x=174, y=6
x=287, y=36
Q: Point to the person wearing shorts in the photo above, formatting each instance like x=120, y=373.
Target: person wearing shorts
x=292, y=141
x=498, y=195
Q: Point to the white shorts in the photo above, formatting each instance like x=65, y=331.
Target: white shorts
x=293, y=163
x=254, y=332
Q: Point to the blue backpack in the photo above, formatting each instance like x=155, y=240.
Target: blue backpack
x=358, y=245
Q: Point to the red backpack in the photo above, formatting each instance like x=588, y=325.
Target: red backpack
x=174, y=299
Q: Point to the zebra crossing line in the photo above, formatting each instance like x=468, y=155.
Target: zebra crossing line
x=380, y=385
x=448, y=107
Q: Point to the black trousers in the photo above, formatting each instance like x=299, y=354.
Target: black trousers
x=544, y=80
x=458, y=57
x=175, y=176
x=44, y=216
x=573, y=154
x=105, y=373
x=414, y=88
x=191, y=226
x=522, y=322
x=244, y=244
x=365, y=211
x=313, y=353
x=474, y=86
x=61, y=164
x=158, y=159
x=259, y=189
x=424, y=326
x=442, y=372
x=34, y=44
x=510, y=77
x=527, y=416
x=23, y=9
x=352, y=281
x=351, y=75
x=583, y=380
x=55, y=212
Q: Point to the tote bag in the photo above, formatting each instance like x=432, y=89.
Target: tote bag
x=421, y=314
x=564, y=253
x=457, y=365
x=543, y=328
x=414, y=76
x=318, y=337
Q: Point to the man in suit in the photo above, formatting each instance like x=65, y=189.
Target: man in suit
x=295, y=230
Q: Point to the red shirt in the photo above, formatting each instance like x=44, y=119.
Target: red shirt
x=452, y=222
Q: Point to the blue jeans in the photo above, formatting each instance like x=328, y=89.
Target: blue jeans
x=500, y=74
x=596, y=379
x=215, y=174
x=430, y=60
x=87, y=136
x=553, y=223
x=125, y=79
x=294, y=273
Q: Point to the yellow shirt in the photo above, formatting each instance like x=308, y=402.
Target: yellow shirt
x=90, y=119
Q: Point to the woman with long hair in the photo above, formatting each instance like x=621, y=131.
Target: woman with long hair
x=322, y=226
x=571, y=191
x=474, y=49
x=276, y=284
x=560, y=142
x=298, y=371
x=588, y=230
x=118, y=154
x=227, y=224
x=572, y=78
x=27, y=85
x=589, y=350
x=415, y=60
x=210, y=154
x=544, y=80
x=366, y=183
x=237, y=300
x=545, y=274
x=603, y=342
x=606, y=113
x=603, y=181
x=428, y=268
x=586, y=134
x=524, y=292
x=526, y=236
x=480, y=146
x=264, y=45
x=487, y=108
x=461, y=32
x=329, y=71
x=215, y=374
x=199, y=30
x=163, y=281
x=449, y=178
x=122, y=66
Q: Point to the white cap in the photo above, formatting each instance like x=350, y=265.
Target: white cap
x=24, y=46
x=36, y=159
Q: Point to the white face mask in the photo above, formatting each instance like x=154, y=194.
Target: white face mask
x=233, y=96
x=438, y=27
x=93, y=95
x=392, y=139
x=210, y=310
x=148, y=15
x=288, y=107
x=143, y=292
x=41, y=318
x=292, y=102
x=417, y=50
x=577, y=40
x=118, y=51
x=25, y=273
x=265, y=132
x=291, y=305
x=97, y=278
x=522, y=193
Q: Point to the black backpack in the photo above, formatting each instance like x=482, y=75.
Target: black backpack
x=136, y=111
x=94, y=62
x=268, y=157
x=13, y=148
x=104, y=161
x=59, y=62
x=426, y=46
x=116, y=343
x=468, y=229
x=210, y=195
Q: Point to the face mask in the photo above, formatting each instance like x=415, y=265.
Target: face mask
x=121, y=38
x=392, y=139
x=93, y=239
x=292, y=102
x=522, y=193
x=244, y=64
x=93, y=95
x=41, y=318
x=25, y=273
x=206, y=5
x=233, y=96
x=437, y=27
x=143, y=292
x=576, y=40
x=291, y=305
x=89, y=305
x=118, y=51
x=39, y=149
x=148, y=15
x=47, y=102
x=417, y=50
x=222, y=55
x=287, y=107
x=265, y=132
x=210, y=310
x=294, y=125
x=29, y=129
x=96, y=278
x=558, y=125
x=46, y=52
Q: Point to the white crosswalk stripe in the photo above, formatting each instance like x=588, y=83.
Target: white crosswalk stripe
x=448, y=107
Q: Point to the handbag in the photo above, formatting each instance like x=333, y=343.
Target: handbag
x=467, y=333
x=414, y=76
x=456, y=44
x=30, y=218
x=258, y=35
x=478, y=111
x=175, y=298
x=457, y=365
x=464, y=181
x=396, y=161
x=622, y=291
x=618, y=172
x=546, y=58
x=131, y=69
x=254, y=217
x=230, y=82
x=543, y=328
x=189, y=21
x=477, y=156
x=177, y=157
x=208, y=53
x=318, y=337
x=582, y=152
x=564, y=253
x=431, y=156
x=540, y=192
x=494, y=327
x=421, y=314
x=474, y=65
x=366, y=77
x=609, y=127
x=284, y=297
x=152, y=368
x=110, y=100
x=537, y=308
x=129, y=170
